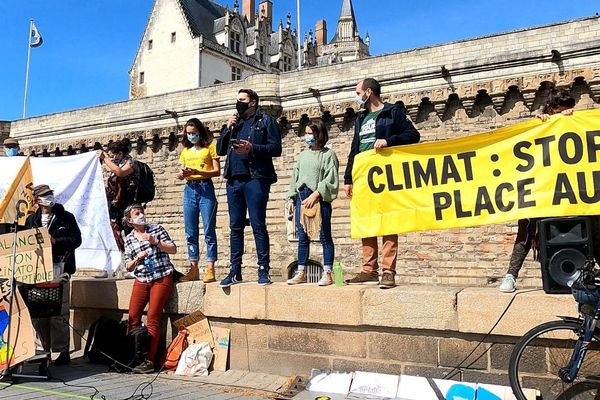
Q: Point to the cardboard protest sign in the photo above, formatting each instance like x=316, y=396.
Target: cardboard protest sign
x=33, y=259
x=22, y=344
x=221, y=350
x=197, y=325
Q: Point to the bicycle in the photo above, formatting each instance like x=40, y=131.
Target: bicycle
x=562, y=358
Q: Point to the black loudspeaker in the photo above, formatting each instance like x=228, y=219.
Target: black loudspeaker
x=564, y=245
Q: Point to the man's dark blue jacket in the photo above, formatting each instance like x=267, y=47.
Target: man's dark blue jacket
x=391, y=125
x=265, y=137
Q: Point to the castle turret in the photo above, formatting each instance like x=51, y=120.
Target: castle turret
x=346, y=44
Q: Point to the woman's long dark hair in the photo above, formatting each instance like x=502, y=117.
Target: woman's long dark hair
x=558, y=98
x=118, y=146
x=320, y=133
x=206, y=137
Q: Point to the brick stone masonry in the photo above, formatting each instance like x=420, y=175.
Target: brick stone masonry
x=488, y=83
x=4, y=132
x=289, y=330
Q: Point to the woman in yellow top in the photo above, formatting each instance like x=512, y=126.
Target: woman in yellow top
x=199, y=163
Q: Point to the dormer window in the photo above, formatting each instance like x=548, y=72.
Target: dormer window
x=261, y=54
x=287, y=63
x=235, y=42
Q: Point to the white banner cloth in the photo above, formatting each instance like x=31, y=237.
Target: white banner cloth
x=78, y=185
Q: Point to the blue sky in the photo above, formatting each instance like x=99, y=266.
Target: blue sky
x=89, y=45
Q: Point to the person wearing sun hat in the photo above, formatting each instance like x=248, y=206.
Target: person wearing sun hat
x=65, y=237
x=11, y=147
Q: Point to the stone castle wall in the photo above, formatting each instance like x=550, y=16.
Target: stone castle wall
x=485, y=83
x=464, y=334
x=4, y=132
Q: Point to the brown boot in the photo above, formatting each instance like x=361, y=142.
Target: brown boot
x=209, y=275
x=192, y=275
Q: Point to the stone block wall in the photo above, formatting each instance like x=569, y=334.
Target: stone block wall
x=413, y=330
x=491, y=82
x=4, y=132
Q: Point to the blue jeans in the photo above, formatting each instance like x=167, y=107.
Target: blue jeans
x=252, y=195
x=199, y=199
x=325, y=235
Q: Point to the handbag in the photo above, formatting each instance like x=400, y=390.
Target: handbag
x=195, y=360
x=176, y=348
x=310, y=218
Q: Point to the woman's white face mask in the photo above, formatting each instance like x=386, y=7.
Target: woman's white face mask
x=140, y=219
x=46, y=201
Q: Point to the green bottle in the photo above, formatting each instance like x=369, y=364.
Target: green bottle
x=338, y=274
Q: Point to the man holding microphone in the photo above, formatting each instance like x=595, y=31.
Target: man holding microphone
x=250, y=140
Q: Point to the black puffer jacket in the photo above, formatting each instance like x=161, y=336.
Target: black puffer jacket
x=64, y=230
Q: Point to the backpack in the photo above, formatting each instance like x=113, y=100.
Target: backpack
x=103, y=335
x=133, y=350
x=175, y=349
x=108, y=343
x=144, y=183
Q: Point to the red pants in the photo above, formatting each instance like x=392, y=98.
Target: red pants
x=155, y=294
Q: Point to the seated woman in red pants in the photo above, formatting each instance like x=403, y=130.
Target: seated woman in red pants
x=147, y=249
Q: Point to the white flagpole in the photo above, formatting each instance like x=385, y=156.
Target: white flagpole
x=299, y=35
x=27, y=67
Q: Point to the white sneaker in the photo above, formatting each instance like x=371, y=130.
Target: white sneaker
x=326, y=279
x=299, y=277
x=508, y=285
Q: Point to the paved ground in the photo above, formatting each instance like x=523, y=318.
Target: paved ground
x=83, y=380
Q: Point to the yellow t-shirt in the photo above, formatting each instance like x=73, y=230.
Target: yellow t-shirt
x=200, y=159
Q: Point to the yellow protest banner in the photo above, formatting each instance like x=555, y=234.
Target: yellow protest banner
x=533, y=169
x=19, y=196
x=33, y=258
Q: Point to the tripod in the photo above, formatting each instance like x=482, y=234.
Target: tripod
x=14, y=371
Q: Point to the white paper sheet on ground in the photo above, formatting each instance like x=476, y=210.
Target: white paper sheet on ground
x=419, y=388
x=330, y=382
x=497, y=392
x=78, y=184
x=374, y=385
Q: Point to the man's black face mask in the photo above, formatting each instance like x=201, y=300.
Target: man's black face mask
x=241, y=107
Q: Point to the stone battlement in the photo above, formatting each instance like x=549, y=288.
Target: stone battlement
x=407, y=75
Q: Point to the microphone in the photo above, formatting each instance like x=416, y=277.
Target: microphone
x=18, y=207
x=237, y=119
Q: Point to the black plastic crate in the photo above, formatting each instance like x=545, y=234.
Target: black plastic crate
x=42, y=300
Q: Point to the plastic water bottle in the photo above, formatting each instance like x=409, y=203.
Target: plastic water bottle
x=338, y=274
x=149, y=262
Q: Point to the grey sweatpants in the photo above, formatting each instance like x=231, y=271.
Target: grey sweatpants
x=52, y=334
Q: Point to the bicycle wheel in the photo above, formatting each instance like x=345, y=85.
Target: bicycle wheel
x=539, y=355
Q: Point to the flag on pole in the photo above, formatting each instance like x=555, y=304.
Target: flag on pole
x=18, y=196
x=35, y=36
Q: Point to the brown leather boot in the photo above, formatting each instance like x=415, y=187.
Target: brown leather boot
x=192, y=275
x=209, y=275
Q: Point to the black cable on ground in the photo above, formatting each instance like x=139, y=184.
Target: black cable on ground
x=133, y=396
x=92, y=397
